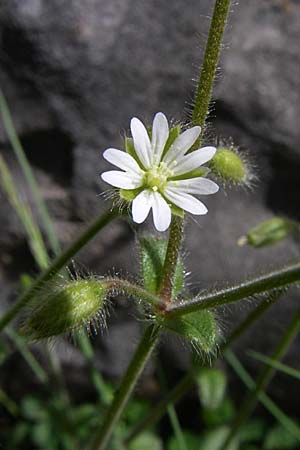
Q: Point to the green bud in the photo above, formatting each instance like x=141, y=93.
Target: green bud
x=268, y=232
x=59, y=309
x=153, y=253
x=200, y=328
x=228, y=165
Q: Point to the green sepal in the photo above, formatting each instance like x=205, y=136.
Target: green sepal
x=200, y=328
x=129, y=194
x=201, y=172
x=176, y=211
x=173, y=134
x=129, y=147
x=153, y=253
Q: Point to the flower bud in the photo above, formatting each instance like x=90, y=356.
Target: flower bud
x=59, y=309
x=268, y=232
x=228, y=165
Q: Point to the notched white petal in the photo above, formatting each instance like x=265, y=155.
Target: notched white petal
x=122, y=180
x=182, y=144
x=193, y=160
x=160, y=134
x=141, y=142
x=141, y=206
x=185, y=201
x=199, y=186
x=161, y=212
x=122, y=160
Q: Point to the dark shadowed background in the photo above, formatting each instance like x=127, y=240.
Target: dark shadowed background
x=75, y=72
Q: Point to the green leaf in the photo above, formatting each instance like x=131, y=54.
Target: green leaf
x=153, y=252
x=146, y=441
x=215, y=439
x=33, y=409
x=220, y=416
x=278, y=438
x=252, y=431
x=192, y=442
x=200, y=328
x=135, y=410
x=212, y=386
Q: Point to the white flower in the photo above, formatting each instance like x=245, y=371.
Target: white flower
x=161, y=176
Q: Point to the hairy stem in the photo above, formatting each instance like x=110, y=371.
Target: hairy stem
x=58, y=264
x=172, y=254
x=122, y=395
x=210, y=61
x=132, y=290
x=274, y=280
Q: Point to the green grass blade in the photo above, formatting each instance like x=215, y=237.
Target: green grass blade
x=23, y=211
x=275, y=364
x=8, y=403
x=32, y=362
x=264, y=399
x=25, y=166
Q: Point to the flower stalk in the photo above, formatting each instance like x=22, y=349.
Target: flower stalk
x=210, y=61
x=274, y=280
x=173, y=250
x=130, y=378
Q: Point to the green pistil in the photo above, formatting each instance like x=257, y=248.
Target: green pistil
x=157, y=176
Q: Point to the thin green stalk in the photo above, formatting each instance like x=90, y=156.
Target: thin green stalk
x=34, y=236
x=160, y=409
x=268, y=282
x=32, y=362
x=21, y=156
x=87, y=350
x=280, y=367
x=8, y=403
x=172, y=254
x=210, y=61
x=58, y=264
x=118, y=285
x=176, y=427
x=129, y=380
x=173, y=415
x=187, y=381
x=263, y=380
x=291, y=426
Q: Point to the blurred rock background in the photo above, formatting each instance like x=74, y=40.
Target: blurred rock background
x=75, y=72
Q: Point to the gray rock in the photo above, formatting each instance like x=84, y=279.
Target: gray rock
x=260, y=77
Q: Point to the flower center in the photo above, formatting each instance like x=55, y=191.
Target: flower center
x=157, y=176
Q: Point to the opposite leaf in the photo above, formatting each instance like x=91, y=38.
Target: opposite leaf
x=200, y=328
x=153, y=253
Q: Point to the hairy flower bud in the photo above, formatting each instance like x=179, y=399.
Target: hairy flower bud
x=229, y=166
x=59, y=309
x=268, y=232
